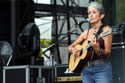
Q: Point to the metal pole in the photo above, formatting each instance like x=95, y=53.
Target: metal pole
x=13, y=25
x=57, y=46
x=68, y=24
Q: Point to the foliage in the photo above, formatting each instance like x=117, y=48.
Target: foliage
x=120, y=11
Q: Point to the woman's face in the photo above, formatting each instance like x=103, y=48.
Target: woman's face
x=94, y=15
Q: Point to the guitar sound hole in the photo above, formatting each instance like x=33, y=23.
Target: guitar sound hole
x=90, y=48
x=81, y=52
x=75, y=59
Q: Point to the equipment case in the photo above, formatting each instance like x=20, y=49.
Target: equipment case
x=24, y=74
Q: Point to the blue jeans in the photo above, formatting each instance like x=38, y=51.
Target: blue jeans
x=101, y=73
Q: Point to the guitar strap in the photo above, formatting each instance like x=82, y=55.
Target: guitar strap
x=100, y=30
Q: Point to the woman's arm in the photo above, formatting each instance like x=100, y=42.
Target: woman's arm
x=71, y=48
x=107, y=44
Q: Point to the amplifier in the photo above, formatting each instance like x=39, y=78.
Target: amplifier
x=62, y=74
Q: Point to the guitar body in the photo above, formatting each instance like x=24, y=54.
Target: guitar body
x=76, y=64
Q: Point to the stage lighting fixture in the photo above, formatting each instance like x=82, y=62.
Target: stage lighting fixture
x=29, y=40
x=5, y=53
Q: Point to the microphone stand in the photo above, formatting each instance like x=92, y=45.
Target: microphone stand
x=76, y=22
x=54, y=44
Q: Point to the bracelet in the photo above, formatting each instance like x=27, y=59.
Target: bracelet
x=70, y=49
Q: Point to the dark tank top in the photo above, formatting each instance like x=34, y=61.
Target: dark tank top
x=95, y=56
x=101, y=43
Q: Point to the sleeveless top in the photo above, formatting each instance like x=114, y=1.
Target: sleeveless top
x=101, y=43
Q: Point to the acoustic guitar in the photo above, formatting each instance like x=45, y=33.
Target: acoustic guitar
x=76, y=64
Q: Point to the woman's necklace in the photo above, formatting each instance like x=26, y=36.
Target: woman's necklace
x=96, y=27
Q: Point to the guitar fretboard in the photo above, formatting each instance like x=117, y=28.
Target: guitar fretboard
x=87, y=46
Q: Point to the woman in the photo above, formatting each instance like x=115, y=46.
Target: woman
x=99, y=70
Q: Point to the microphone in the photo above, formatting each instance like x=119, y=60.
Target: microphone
x=84, y=21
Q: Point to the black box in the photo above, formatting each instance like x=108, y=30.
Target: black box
x=26, y=74
x=20, y=74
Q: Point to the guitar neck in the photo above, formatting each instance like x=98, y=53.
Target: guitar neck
x=98, y=37
x=87, y=46
x=104, y=34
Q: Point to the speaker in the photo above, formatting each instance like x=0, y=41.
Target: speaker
x=118, y=62
x=118, y=33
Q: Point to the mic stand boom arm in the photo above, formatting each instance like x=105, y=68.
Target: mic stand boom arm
x=54, y=44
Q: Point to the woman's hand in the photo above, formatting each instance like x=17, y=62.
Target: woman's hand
x=95, y=43
x=74, y=51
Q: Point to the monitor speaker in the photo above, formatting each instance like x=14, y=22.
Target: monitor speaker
x=118, y=61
